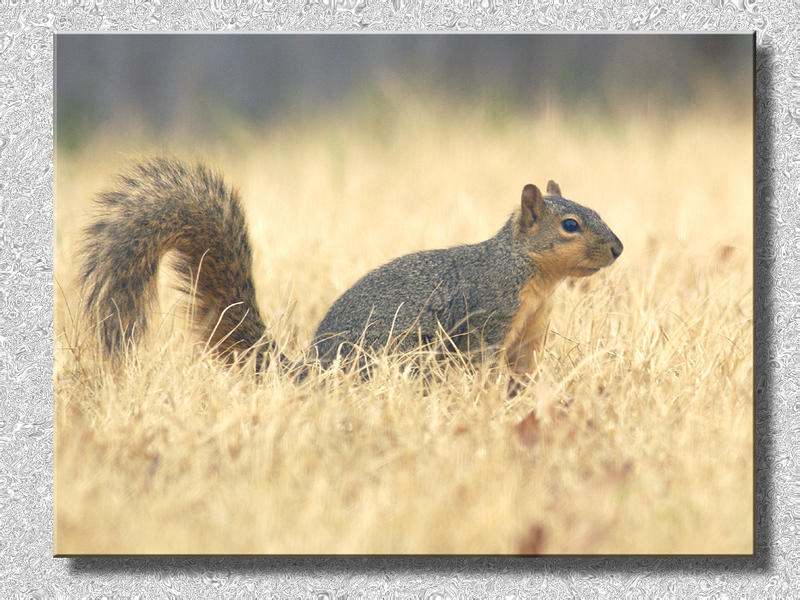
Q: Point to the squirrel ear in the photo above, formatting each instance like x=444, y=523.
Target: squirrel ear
x=531, y=204
x=553, y=189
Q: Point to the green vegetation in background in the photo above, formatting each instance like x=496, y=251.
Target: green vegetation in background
x=212, y=117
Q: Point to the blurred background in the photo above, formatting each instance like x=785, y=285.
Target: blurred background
x=199, y=84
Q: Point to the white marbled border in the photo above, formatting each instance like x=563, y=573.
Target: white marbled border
x=27, y=568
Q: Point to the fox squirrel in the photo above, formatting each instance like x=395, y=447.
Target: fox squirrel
x=491, y=297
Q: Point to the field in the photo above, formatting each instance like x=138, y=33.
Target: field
x=633, y=435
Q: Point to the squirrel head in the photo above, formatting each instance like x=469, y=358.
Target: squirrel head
x=564, y=238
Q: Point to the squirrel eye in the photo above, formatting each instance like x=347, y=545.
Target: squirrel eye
x=570, y=225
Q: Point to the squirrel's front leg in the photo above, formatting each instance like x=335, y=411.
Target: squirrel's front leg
x=527, y=334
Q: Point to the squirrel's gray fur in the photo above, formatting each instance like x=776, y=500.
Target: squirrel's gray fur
x=471, y=297
x=430, y=293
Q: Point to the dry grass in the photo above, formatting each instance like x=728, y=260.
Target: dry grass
x=634, y=435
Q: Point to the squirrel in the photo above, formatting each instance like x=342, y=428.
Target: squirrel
x=487, y=299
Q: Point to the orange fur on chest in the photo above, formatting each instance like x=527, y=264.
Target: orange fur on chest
x=528, y=327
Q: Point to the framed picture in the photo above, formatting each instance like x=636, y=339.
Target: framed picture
x=404, y=294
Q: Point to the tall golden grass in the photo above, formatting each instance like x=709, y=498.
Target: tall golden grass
x=633, y=435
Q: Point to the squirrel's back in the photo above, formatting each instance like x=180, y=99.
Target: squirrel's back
x=463, y=294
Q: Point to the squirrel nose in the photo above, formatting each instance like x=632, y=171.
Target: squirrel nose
x=616, y=249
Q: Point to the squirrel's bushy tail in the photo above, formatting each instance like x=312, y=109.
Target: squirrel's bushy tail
x=157, y=206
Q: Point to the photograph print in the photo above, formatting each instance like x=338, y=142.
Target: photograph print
x=403, y=294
